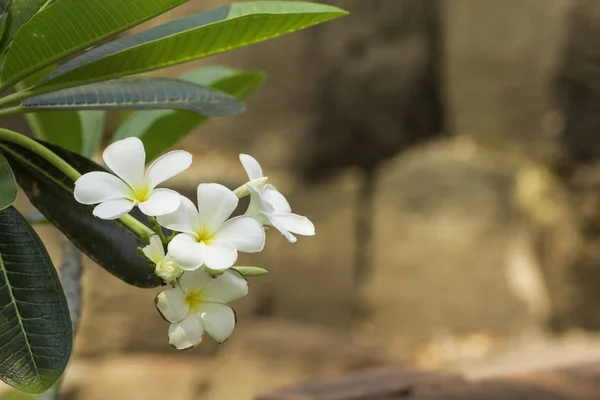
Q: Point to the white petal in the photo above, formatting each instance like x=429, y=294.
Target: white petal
x=187, y=333
x=126, y=158
x=155, y=250
x=161, y=202
x=218, y=320
x=275, y=199
x=257, y=203
x=184, y=219
x=113, y=209
x=171, y=304
x=273, y=222
x=194, y=280
x=294, y=223
x=252, y=167
x=167, y=166
x=187, y=252
x=215, y=205
x=220, y=256
x=244, y=233
x=225, y=288
x=96, y=187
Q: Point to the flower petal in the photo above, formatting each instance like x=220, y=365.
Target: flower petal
x=96, y=187
x=274, y=223
x=252, y=167
x=225, y=288
x=244, y=233
x=257, y=203
x=187, y=333
x=294, y=223
x=171, y=304
x=113, y=209
x=183, y=219
x=167, y=166
x=194, y=280
x=220, y=256
x=126, y=158
x=155, y=250
x=218, y=319
x=187, y=252
x=275, y=199
x=215, y=205
x=161, y=202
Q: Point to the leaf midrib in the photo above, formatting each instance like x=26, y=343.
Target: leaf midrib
x=20, y=320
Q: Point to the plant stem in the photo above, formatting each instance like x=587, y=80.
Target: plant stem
x=71, y=269
x=14, y=137
x=13, y=98
x=158, y=230
x=11, y=111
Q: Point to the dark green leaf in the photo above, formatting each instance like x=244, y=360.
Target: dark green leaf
x=8, y=186
x=92, y=129
x=139, y=94
x=159, y=130
x=67, y=26
x=19, y=12
x=189, y=38
x=35, y=329
x=4, y=4
x=108, y=243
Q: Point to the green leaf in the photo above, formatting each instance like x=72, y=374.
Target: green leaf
x=159, y=130
x=60, y=128
x=8, y=185
x=67, y=26
x=109, y=243
x=19, y=12
x=92, y=130
x=4, y=4
x=35, y=329
x=139, y=93
x=251, y=271
x=189, y=38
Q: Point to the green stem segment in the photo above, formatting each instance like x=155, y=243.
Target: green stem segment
x=20, y=140
x=158, y=229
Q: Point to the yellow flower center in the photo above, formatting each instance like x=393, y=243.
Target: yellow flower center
x=194, y=299
x=204, y=236
x=142, y=193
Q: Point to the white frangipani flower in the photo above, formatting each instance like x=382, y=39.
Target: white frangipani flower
x=198, y=304
x=270, y=207
x=130, y=187
x=207, y=237
x=166, y=268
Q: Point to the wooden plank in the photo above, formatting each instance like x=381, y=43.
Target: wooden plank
x=575, y=383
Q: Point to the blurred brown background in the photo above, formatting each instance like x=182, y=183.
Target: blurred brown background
x=447, y=152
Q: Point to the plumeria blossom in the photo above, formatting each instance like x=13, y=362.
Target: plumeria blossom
x=270, y=207
x=117, y=195
x=207, y=237
x=198, y=304
x=166, y=268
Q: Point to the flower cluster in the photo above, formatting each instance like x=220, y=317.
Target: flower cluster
x=197, y=259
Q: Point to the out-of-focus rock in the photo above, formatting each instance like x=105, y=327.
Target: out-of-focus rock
x=451, y=251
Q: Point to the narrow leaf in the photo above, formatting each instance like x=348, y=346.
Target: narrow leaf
x=35, y=328
x=251, y=271
x=60, y=128
x=109, y=243
x=92, y=129
x=67, y=26
x=8, y=185
x=159, y=130
x=189, y=38
x=139, y=94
